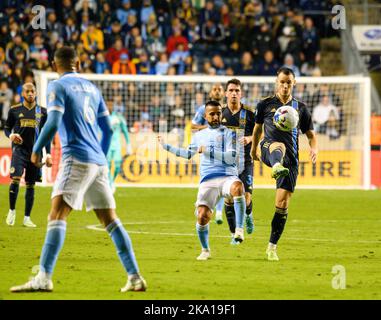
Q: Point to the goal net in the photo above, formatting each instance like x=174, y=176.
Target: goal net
x=165, y=105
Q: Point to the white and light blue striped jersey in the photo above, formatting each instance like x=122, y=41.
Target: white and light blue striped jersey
x=219, y=157
x=199, y=116
x=81, y=104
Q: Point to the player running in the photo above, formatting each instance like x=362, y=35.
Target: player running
x=279, y=149
x=24, y=123
x=218, y=172
x=77, y=110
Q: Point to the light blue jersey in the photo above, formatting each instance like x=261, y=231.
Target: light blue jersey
x=219, y=158
x=199, y=116
x=81, y=104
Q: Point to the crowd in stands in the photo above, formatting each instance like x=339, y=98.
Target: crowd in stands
x=179, y=37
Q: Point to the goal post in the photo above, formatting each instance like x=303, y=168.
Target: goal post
x=166, y=105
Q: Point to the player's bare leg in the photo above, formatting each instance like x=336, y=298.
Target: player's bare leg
x=282, y=199
x=204, y=214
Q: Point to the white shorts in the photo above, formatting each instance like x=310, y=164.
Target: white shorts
x=210, y=191
x=78, y=181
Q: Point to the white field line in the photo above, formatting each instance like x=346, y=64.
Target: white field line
x=98, y=227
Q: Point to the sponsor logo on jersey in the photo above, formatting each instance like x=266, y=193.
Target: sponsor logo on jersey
x=21, y=115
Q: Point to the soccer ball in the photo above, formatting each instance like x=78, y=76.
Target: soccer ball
x=286, y=118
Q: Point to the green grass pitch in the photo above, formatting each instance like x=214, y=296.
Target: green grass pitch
x=324, y=229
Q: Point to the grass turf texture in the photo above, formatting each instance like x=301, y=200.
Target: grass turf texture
x=324, y=229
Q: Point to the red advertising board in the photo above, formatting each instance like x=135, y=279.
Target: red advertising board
x=5, y=165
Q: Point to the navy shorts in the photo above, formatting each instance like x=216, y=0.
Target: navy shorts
x=288, y=182
x=246, y=177
x=19, y=164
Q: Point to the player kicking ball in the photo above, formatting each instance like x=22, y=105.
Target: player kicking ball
x=218, y=173
x=280, y=149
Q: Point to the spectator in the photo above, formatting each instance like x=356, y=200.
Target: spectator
x=262, y=42
x=175, y=39
x=15, y=46
x=113, y=54
x=325, y=116
x=209, y=12
x=123, y=65
x=269, y=66
x=155, y=43
x=213, y=36
x=144, y=65
x=67, y=11
x=38, y=51
x=106, y=17
x=311, y=42
x=162, y=65
x=6, y=96
x=137, y=49
x=52, y=25
x=146, y=11
x=114, y=33
x=246, y=66
x=185, y=11
x=126, y=10
x=68, y=29
x=289, y=63
x=219, y=65
x=178, y=57
x=92, y=39
x=100, y=64
x=85, y=8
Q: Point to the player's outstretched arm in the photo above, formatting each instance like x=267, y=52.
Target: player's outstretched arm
x=106, y=128
x=257, y=132
x=47, y=134
x=312, y=140
x=179, y=152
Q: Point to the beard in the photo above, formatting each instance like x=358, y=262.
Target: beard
x=214, y=125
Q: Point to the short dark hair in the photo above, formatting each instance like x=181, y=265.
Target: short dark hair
x=212, y=103
x=65, y=55
x=286, y=71
x=233, y=81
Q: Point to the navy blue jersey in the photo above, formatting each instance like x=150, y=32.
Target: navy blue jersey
x=27, y=122
x=264, y=115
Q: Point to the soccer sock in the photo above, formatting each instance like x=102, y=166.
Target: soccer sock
x=249, y=208
x=116, y=170
x=29, y=199
x=276, y=157
x=239, y=208
x=54, y=241
x=123, y=245
x=203, y=235
x=220, y=205
x=13, y=192
x=277, y=224
x=230, y=217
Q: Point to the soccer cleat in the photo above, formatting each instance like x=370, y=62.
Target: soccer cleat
x=278, y=171
x=249, y=224
x=233, y=242
x=219, y=218
x=34, y=285
x=135, y=284
x=271, y=253
x=238, y=235
x=205, y=255
x=28, y=223
x=11, y=217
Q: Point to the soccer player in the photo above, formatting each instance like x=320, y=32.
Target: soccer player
x=279, y=149
x=199, y=123
x=218, y=171
x=119, y=125
x=76, y=109
x=24, y=123
x=240, y=118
